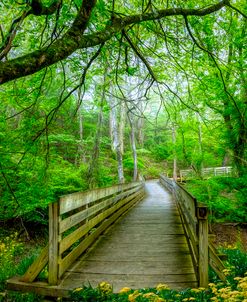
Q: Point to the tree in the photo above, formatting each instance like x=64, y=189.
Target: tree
x=90, y=24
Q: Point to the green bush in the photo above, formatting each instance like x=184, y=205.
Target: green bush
x=12, y=249
x=225, y=197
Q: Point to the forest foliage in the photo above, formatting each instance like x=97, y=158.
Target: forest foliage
x=98, y=92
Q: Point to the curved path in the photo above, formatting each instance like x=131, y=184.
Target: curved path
x=145, y=247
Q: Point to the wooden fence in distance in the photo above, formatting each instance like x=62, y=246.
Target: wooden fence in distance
x=207, y=172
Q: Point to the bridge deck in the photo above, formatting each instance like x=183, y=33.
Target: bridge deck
x=146, y=247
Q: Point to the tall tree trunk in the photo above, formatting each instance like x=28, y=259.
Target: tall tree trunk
x=200, y=166
x=140, y=120
x=116, y=146
x=93, y=166
x=174, y=174
x=79, y=158
x=234, y=116
x=133, y=146
x=122, y=124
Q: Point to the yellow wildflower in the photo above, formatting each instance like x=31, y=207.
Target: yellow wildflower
x=132, y=297
x=195, y=290
x=105, y=287
x=162, y=286
x=124, y=290
x=153, y=297
x=201, y=288
x=226, y=272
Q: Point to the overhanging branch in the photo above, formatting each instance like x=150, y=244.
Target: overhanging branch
x=75, y=39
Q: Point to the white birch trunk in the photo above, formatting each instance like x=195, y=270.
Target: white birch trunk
x=133, y=147
x=174, y=153
x=116, y=146
x=122, y=124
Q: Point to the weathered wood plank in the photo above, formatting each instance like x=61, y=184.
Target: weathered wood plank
x=150, y=267
x=157, y=278
x=74, y=219
x=37, y=266
x=134, y=281
x=75, y=200
x=53, y=244
x=40, y=288
x=126, y=256
x=203, y=246
x=66, y=242
x=216, y=263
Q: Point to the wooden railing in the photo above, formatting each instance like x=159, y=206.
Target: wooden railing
x=194, y=217
x=75, y=222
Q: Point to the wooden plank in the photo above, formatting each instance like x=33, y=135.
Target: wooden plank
x=40, y=288
x=74, y=219
x=53, y=244
x=135, y=281
x=125, y=255
x=203, y=252
x=75, y=200
x=70, y=258
x=84, y=229
x=37, y=266
x=193, y=243
x=128, y=248
x=215, y=262
x=168, y=266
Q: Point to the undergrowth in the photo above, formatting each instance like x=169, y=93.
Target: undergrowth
x=225, y=197
x=14, y=260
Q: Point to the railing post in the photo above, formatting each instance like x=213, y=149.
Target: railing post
x=202, y=216
x=53, y=244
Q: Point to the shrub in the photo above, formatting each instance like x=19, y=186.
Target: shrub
x=225, y=197
x=11, y=249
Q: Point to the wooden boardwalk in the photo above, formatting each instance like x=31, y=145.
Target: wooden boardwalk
x=150, y=241
x=146, y=247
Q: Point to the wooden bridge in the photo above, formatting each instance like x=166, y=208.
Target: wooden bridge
x=127, y=236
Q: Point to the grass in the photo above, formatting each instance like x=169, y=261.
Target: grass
x=15, y=258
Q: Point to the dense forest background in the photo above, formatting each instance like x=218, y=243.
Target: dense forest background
x=164, y=91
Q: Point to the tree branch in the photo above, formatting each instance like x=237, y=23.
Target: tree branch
x=74, y=39
x=139, y=54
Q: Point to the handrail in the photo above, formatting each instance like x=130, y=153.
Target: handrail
x=76, y=221
x=81, y=218
x=194, y=217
